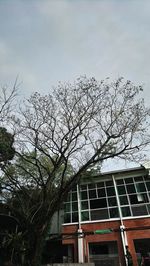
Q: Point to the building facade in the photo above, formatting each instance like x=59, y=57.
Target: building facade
x=106, y=213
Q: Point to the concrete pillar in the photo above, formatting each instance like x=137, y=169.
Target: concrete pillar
x=80, y=246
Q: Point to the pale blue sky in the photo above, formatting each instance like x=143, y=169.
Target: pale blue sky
x=47, y=41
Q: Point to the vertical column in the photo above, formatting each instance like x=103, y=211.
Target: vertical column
x=80, y=231
x=122, y=227
x=80, y=246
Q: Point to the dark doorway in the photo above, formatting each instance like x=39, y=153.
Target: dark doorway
x=55, y=252
x=103, y=254
x=142, y=246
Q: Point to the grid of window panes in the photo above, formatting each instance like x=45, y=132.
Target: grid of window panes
x=71, y=207
x=134, y=196
x=98, y=200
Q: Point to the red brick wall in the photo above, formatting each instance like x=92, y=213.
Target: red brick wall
x=136, y=234
x=114, y=236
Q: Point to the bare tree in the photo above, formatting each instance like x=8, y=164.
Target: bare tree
x=7, y=98
x=81, y=124
x=7, y=104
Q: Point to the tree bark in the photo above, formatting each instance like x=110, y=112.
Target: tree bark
x=37, y=252
x=39, y=243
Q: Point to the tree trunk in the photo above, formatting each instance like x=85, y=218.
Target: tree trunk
x=37, y=255
x=38, y=246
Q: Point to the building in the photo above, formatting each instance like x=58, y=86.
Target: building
x=106, y=213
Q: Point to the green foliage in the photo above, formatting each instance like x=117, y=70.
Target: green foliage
x=33, y=170
x=33, y=185
x=13, y=240
x=6, y=145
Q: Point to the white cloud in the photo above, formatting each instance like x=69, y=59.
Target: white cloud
x=50, y=40
x=59, y=39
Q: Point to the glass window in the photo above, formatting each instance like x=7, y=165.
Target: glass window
x=114, y=212
x=85, y=216
x=142, y=197
x=133, y=199
x=109, y=183
x=67, y=207
x=90, y=186
x=74, y=196
x=138, y=178
x=112, y=201
x=100, y=184
x=99, y=214
x=103, y=249
x=131, y=188
x=98, y=203
x=139, y=198
x=68, y=197
x=84, y=195
x=101, y=192
x=133, y=196
x=110, y=191
x=92, y=194
x=139, y=210
x=84, y=205
x=83, y=187
x=120, y=182
x=125, y=211
x=140, y=187
x=121, y=190
x=123, y=200
x=148, y=185
x=74, y=188
x=148, y=207
x=67, y=218
x=128, y=180
x=75, y=217
x=74, y=206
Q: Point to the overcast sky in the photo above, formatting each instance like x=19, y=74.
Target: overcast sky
x=44, y=42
